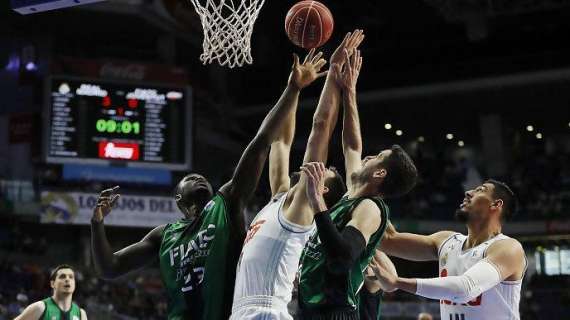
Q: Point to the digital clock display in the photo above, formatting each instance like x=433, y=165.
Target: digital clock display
x=94, y=121
x=112, y=126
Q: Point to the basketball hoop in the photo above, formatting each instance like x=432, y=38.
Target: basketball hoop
x=228, y=25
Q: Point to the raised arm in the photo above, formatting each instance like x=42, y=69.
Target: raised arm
x=109, y=265
x=324, y=121
x=505, y=261
x=302, y=76
x=412, y=246
x=351, y=137
x=326, y=114
x=246, y=175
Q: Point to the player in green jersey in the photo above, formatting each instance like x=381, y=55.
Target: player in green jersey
x=198, y=254
x=60, y=305
x=332, y=265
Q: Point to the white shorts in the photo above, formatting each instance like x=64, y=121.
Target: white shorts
x=260, y=308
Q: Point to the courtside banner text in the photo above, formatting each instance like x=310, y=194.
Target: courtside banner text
x=130, y=210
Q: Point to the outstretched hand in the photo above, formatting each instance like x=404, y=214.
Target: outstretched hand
x=107, y=199
x=350, y=43
x=384, y=275
x=348, y=76
x=315, y=172
x=304, y=74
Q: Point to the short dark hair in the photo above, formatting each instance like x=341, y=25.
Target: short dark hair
x=336, y=185
x=402, y=173
x=53, y=274
x=337, y=188
x=505, y=193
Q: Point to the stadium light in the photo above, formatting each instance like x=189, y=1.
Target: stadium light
x=449, y=136
x=388, y=126
x=539, y=136
x=421, y=139
x=399, y=132
x=460, y=143
x=529, y=128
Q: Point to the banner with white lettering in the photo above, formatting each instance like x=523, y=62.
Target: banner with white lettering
x=130, y=210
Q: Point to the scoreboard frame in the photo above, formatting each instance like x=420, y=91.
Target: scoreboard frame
x=188, y=125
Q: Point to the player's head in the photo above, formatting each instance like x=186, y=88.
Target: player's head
x=491, y=200
x=192, y=193
x=62, y=279
x=425, y=316
x=392, y=172
x=335, y=186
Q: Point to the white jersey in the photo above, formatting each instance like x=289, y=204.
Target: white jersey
x=268, y=264
x=498, y=303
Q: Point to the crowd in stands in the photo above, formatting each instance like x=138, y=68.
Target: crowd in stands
x=541, y=182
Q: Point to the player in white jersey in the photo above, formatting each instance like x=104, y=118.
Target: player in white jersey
x=480, y=273
x=278, y=234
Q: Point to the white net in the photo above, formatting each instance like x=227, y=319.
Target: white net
x=228, y=25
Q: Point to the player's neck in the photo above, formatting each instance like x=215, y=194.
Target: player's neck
x=478, y=234
x=191, y=213
x=362, y=190
x=63, y=300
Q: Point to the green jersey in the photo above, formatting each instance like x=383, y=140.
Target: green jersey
x=53, y=312
x=197, y=264
x=321, y=290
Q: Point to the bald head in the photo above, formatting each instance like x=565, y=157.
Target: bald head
x=425, y=316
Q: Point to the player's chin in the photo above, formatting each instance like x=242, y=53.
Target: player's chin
x=202, y=193
x=461, y=215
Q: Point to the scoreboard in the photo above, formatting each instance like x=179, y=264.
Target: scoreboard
x=93, y=121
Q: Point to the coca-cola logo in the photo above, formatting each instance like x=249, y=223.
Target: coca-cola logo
x=117, y=150
x=128, y=71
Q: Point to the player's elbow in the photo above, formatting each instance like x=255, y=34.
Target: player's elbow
x=321, y=125
x=464, y=290
x=262, y=140
x=351, y=144
x=107, y=272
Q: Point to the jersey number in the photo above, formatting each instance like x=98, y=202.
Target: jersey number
x=458, y=316
x=197, y=274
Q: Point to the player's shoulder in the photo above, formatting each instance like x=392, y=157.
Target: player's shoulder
x=445, y=234
x=368, y=206
x=440, y=238
x=156, y=234
x=36, y=309
x=506, y=246
x=39, y=305
x=367, y=211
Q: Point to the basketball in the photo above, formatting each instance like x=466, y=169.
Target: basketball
x=309, y=24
